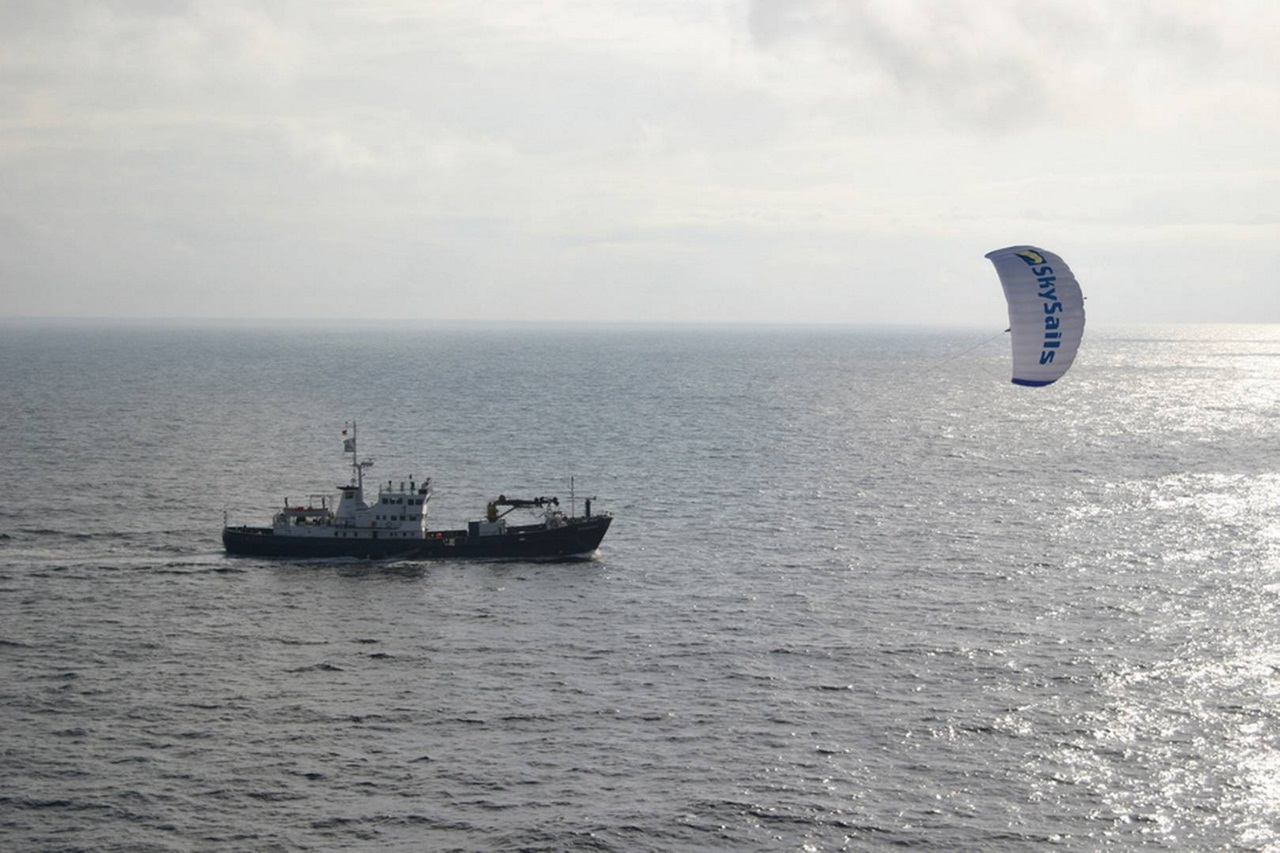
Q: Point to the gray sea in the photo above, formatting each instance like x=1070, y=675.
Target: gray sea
x=860, y=592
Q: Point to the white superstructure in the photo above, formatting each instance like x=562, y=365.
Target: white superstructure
x=400, y=512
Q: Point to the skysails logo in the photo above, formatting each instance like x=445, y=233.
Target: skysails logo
x=1046, y=285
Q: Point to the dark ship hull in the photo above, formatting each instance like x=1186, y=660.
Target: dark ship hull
x=575, y=538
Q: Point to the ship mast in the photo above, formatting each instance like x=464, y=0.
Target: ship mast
x=357, y=467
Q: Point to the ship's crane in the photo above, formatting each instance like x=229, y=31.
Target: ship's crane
x=517, y=503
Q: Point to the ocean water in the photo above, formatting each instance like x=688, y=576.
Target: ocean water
x=860, y=592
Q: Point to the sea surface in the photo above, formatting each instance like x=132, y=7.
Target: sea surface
x=860, y=592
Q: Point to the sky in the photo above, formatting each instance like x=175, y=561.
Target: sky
x=589, y=161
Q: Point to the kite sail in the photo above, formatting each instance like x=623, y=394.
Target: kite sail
x=1046, y=312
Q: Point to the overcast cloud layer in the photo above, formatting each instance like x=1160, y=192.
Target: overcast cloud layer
x=649, y=160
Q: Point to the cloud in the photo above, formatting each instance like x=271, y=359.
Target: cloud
x=459, y=158
x=95, y=57
x=1003, y=64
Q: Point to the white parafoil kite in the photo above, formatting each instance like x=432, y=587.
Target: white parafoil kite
x=1046, y=312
